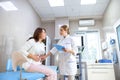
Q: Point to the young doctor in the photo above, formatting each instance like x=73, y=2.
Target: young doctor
x=67, y=57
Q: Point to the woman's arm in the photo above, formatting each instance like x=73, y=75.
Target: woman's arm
x=52, y=51
x=25, y=50
x=48, y=54
x=43, y=57
x=69, y=51
x=74, y=49
x=27, y=46
x=34, y=57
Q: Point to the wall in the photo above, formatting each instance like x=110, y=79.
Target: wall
x=111, y=15
x=50, y=25
x=15, y=28
x=98, y=26
x=50, y=28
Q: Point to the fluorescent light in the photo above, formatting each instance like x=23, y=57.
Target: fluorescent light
x=8, y=6
x=82, y=28
x=88, y=2
x=55, y=3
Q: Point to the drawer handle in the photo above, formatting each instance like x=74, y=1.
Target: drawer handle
x=99, y=72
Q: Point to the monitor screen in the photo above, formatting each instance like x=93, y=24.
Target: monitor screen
x=118, y=35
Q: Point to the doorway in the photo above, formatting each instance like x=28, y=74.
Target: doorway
x=90, y=41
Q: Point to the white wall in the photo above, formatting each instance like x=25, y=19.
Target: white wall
x=98, y=26
x=50, y=25
x=112, y=13
x=74, y=25
x=50, y=28
x=15, y=28
x=111, y=16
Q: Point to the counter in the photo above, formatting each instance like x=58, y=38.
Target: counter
x=100, y=71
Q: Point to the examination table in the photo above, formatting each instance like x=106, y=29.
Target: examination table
x=11, y=75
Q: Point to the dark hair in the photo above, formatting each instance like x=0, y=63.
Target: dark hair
x=65, y=28
x=36, y=34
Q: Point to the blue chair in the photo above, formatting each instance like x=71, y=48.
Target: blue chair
x=11, y=75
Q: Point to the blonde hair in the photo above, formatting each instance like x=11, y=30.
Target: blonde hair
x=65, y=28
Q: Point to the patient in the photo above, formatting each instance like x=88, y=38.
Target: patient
x=32, y=50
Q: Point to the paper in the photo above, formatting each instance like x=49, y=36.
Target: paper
x=59, y=47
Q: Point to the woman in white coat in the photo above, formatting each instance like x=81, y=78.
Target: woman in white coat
x=67, y=57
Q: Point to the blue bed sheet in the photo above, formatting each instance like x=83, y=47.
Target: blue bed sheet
x=25, y=75
x=16, y=76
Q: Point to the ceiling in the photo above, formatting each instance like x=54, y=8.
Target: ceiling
x=72, y=9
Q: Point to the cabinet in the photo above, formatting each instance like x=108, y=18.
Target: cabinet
x=100, y=71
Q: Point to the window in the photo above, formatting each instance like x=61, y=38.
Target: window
x=91, y=42
x=118, y=35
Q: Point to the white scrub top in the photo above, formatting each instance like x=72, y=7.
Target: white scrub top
x=32, y=47
x=67, y=61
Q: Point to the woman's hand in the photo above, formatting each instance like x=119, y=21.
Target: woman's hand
x=34, y=57
x=68, y=51
x=43, y=57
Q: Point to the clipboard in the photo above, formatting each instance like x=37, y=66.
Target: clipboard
x=59, y=47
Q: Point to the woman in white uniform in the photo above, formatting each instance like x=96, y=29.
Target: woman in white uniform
x=67, y=57
x=32, y=50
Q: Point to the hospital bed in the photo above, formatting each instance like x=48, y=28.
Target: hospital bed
x=20, y=74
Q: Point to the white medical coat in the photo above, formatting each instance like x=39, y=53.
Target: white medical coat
x=67, y=61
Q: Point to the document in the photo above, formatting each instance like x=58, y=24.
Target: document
x=59, y=47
